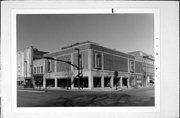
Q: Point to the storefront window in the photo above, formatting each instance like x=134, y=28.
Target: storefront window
x=97, y=82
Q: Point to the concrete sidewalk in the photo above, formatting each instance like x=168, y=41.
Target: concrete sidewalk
x=122, y=90
x=59, y=98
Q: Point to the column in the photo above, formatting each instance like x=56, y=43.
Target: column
x=55, y=80
x=44, y=82
x=90, y=80
x=112, y=81
x=72, y=85
x=121, y=81
x=102, y=82
x=128, y=82
x=102, y=61
x=90, y=66
x=90, y=59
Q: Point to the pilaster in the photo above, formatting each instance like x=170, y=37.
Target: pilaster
x=102, y=82
x=112, y=82
x=44, y=82
x=55, y=80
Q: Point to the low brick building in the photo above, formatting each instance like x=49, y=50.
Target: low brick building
x=103, y=68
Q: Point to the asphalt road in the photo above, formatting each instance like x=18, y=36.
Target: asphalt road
x=74, y=98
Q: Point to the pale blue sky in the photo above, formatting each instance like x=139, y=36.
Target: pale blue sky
x=122, y=32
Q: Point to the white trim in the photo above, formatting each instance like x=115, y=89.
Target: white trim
x=100, y=63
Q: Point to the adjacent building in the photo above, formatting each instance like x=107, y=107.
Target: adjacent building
x=96, y=67
x=25, y=59
x=144, y=68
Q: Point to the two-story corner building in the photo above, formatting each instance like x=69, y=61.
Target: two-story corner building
x=103, y=68
x=144, y=68
x=25, y=59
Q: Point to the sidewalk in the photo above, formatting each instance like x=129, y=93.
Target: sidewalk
x=76, y=89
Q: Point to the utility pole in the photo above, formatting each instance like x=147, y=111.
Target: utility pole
x=25, y=63
x=78, y=69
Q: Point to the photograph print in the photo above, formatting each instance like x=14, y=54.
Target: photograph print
x=85, y=60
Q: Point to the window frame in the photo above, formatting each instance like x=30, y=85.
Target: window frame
x=98, y=61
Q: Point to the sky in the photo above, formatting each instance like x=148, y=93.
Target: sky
x=51, y=32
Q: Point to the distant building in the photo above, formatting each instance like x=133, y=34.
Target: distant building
x=144, y=68
x=103, y=68
x=25, y=58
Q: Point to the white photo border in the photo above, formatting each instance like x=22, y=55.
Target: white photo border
x=154, y=11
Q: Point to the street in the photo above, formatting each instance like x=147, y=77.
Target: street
x=74, y=98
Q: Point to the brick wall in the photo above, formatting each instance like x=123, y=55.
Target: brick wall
x=115, y=63
x=149, y=68
x=138, y=67
x=84, y=58
x=61, y=66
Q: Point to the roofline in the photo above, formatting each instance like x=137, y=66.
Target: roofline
x=77, y=45
x=128, y=55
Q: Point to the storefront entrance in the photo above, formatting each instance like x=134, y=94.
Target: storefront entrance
x=83, y=82
x=50, y=83
x=116, y=82
x=97, y=82
x=107, y=81
x=125, y=82
x=28, y=83
x=64, y=82
x=38, y=80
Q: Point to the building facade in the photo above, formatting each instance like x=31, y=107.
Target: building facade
x=144, y=68
x=102, y=68
x=38, y=71
x=96, y=67
x=25, y=59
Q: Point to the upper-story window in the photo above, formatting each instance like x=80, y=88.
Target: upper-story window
x=80, y=61
x=49, y=66
x=98, y=61
x=34, y=69
x=41, y=69
x=38, y=70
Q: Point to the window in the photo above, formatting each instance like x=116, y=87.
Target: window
x=38, y=70
x=49, y=66
x=97, y=82
x=98, y=61
x=41, y=69
x=34, y=69
x=107, y=81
